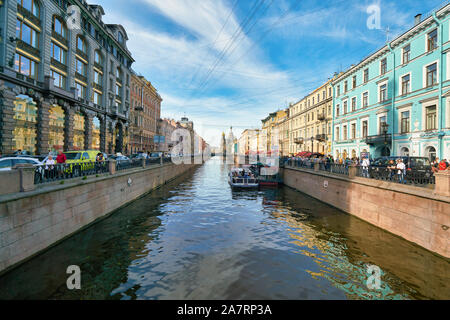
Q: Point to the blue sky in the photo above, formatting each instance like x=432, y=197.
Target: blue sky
x=229, y=63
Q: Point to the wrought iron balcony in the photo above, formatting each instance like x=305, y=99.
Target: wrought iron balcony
x=379, y=139
x=321, y=116
x=299, y=141
x=139, y=108
x=321, y=137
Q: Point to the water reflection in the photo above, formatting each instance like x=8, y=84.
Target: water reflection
x=197, y=239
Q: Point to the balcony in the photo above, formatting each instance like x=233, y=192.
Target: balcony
x=82, y=54
x=139, y=108
x=118, y=98
x=58, y=65
x=60, y=38
x=321, y=137
x=299, y=141
x=119, y=81
x=80, y=77
x=27, y=48
x=321, y=117
x=28, y=15
x=97, y=86
x=98, y=66
x=379, y=139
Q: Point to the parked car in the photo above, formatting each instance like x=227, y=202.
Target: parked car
x=80, y=161
x=121, y=160
x=8, y=163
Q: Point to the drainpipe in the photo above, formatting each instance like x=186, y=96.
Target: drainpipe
x=333, y=147
x=393, y=101
x=440, y=126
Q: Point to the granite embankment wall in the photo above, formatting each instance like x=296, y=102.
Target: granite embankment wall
x=416, y=214
x=30, y=222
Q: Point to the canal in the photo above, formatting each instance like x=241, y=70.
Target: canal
x=196, y=239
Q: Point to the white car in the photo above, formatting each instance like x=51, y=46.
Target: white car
x=8, y=163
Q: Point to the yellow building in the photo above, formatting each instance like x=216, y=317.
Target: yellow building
x=272, y=130
x=311, y=120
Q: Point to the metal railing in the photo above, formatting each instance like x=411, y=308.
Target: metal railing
x=334, y=168
x=422, y=178
x=419, y=178
x=48, y=173
x=128, y=164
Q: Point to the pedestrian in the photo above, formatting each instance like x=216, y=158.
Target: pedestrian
x=435, y=165
x=60, y=160
x=442, y=165
x=365, y=166
x=401, y=171
x=49, y=167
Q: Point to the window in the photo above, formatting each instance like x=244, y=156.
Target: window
x=353, y=133
x=81, y=44
x=365, y=99
x=406, y=53
x=381, y=123
x=337, y=110
x=81, y=90
x=432, y=40
x=337, y=134
x=338, y=91
x=345, y=133
x=383, y=68
x=30, y=5
x=404, y=126
x=59, y=80
x=345, y=107
x=81, y=67
x=27, y=34
x=405, y=84
x=59, y=27
x=98, y=58
x=117, y=90
x=58, y=53
x=365, y=129
x=25, y=66
x=345, y=86
x=97, y=98
x=366, y=75
x=354, y=82
x=353, y=104
x=118, y=73
x=383, y=92
x=98, y=78
x=329, y=92
x=430, y=118
x=120, y=37
x=432, y=74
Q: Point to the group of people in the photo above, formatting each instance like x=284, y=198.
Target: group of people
x=243, y=174
x=440, y=165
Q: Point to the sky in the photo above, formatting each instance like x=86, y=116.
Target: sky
x=224, y=63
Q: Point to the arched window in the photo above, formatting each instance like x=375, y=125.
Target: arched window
x=78, y=131
x=81, y=44
x=98, y=57
x=30, y=5
x=59, y=27
x=404, y=152
x=56, y=128
x=95, y=133
x=24, y=133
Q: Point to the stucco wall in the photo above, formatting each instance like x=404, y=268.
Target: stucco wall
x=31, y=222
x=413, y=213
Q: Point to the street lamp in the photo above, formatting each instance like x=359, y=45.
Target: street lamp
x=384, y=129
x=312, y=144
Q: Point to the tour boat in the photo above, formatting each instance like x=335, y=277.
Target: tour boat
x=242, y=178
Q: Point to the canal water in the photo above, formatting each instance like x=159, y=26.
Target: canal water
x=195, y=238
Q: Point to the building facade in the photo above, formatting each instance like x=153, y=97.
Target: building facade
x=166, y=128
x=269, y=137
x=397, y=100
x=311, y=122
x=62, y=86
x=144, y=116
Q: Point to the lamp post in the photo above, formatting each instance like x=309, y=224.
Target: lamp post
x=312, y=144
x=384, y=128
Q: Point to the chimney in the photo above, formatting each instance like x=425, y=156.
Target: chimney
x=417, y=19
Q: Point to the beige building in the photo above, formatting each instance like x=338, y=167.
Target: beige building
x=273, y=127
x=311, y=120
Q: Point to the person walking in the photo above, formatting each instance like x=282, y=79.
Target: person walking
x=401, y=171
x=60, y=160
